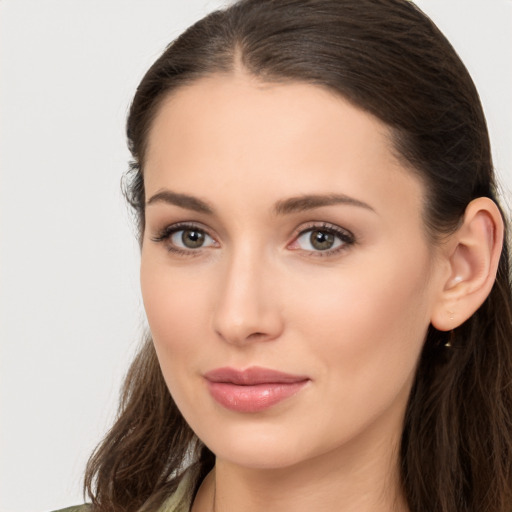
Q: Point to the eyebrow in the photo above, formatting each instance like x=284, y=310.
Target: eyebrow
x=284, y=207
x=181, y=200
x=311, y=201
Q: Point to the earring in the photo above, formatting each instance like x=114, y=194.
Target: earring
x=451, y=339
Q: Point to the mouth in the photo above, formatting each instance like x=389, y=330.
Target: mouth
x=254, y=389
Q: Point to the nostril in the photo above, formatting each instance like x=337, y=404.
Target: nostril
x=242, y=338
x=256, y=335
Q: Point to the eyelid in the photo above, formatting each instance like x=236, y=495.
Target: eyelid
x=164, y=236
x=346, y=237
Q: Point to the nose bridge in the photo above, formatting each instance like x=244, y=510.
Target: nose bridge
x=246, y=308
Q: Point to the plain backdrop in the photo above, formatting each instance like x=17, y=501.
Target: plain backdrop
x=70, y=308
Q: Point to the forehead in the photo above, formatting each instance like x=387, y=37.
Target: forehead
x=212, y=105
x=234, y=133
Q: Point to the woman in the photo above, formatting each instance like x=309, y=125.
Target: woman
x=324, y=271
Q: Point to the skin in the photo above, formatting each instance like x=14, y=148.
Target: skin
x=258, y=293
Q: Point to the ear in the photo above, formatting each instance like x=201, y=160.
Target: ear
x=472, y=254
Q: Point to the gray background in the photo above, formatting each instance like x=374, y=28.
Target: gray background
x=70, y=309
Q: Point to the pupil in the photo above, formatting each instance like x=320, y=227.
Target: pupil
x=321, y=240
x=192, y=239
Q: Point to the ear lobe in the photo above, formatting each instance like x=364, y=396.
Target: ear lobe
x=473, y=254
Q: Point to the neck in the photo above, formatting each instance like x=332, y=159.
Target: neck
x=344, y=480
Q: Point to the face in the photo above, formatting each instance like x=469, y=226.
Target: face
x=286, y=274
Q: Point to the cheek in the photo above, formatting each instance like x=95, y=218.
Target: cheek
x=175, y=304
x=366, y=324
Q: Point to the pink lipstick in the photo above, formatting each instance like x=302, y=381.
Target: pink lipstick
x=252, y=390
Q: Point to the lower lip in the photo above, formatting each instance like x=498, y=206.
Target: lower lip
x=253, y=398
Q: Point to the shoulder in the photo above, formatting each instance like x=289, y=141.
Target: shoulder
x=179, y=501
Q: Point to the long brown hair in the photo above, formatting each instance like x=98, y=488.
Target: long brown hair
x=389, y=59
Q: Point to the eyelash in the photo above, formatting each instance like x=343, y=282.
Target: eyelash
x=166, y=233
x=346, y=237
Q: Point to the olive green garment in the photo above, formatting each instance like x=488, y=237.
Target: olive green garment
x=180, y=501
x=76, y=508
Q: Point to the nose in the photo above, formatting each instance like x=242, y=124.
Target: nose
x=247, y=307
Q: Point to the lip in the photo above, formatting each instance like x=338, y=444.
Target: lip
x=253, y=389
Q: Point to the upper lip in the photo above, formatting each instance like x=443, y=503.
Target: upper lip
x=252, y=376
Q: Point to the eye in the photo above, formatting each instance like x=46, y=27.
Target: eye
x=323, y=239
x=184, y=239
x=318, y=240
x=192, y=238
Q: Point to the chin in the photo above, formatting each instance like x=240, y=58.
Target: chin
x=260, y=459
x=259, y=447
